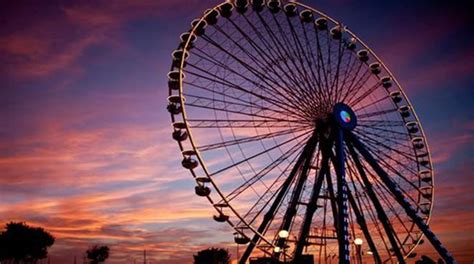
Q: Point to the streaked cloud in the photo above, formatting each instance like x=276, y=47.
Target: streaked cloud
x=85, y=142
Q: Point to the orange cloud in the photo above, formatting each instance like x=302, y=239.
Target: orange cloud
x=91, y=169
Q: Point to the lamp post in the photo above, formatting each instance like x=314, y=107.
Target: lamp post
x=358, y=243
x=276, y=250
x=283, y=234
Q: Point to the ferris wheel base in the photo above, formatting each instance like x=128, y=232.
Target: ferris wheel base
x=305, y=259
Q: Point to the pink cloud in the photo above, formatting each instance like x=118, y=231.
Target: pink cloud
x=64, y=149
x=448, y=68
x=43, y=47
x=446, y=144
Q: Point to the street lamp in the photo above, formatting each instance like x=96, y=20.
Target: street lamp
x=283, y=234
x=358, y=243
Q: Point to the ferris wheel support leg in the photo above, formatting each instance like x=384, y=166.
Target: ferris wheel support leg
x=267, y=218
x=332, y=196
x=411, y=212
x=312, y=207
x=378, y=206
x=300, y=182
x=363, y=225
x=343, y=213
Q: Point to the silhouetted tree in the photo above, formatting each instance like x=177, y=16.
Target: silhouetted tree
x=97, y=254
x=427, y=260
x=20, y=243
x=212, y=256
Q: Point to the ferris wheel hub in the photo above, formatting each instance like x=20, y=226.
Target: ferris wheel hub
x=344, y=116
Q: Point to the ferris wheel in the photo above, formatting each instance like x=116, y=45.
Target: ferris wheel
x=300, y=137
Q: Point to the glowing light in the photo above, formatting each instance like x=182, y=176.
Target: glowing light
x=276, y=249
x=345, y=116
x=358, y=241
x=283, y=234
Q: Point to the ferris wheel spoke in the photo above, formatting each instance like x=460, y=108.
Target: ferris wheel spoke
x=349, y=67
x=356, y=98
x=373, y=197
x=277, y=103
x=375, y=145
x=383, y=157
x=264, y=77
x=392, y=142
x=249, y=139
x=328, y=60
x=374, y=142
x=377, y=113
x=389, y=132
x=334, y=73
x=282, y=45
x=395, y=139
x=263, y=172
x=282, y=72
x=389, y=204
x=287, y=47
x=237, y=112
x=403, y=190
x=346, y=88
x=256, y=155
x=203, y=102
x=223, y=81
x=312, y=64
x=322, y=68
x=261, y=75
x=263, y=55
x=395, y=170
x=238, y=101
x=309, y=76
x=357, y=83
x=380, y=123
x=245, y=123
x=382, y=191
x=335, y=85
x=370, y=104
x=268, y=191
x=269, y=66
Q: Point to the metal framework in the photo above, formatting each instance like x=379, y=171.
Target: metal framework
x=300, y=137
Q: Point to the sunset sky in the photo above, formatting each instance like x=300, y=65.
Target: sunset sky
x=85, y=139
